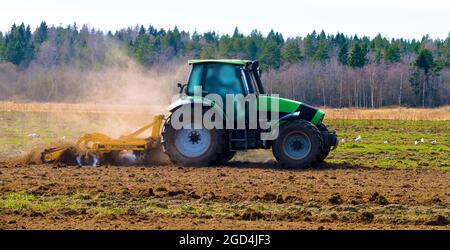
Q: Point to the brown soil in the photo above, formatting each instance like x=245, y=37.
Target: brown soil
x=330, y=197
x=33, y=157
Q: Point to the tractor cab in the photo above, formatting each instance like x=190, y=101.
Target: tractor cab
x=224, y=77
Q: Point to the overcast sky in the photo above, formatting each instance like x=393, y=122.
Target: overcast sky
x=392, y=18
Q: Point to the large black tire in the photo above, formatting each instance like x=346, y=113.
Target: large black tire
x=213, y=155
x=325, y=148
x=305, y=130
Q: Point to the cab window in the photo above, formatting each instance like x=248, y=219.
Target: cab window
x=195, y=80
x=223, y=79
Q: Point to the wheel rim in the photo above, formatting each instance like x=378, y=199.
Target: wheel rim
x=297, y=145
x=192, y=142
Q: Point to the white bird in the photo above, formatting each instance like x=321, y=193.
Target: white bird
x=433, y=142
x=343, y=140
x=359, y=139
x=386, y=142
x=422, y=140
x=33, y=135
x=63, y=138
x=416, y=142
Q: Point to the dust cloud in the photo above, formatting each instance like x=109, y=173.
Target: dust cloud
x=115, y=98
x=118, y=80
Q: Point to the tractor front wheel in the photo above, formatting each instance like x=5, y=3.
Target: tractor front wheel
x=298, y=145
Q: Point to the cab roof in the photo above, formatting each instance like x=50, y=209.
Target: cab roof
x=229, y=61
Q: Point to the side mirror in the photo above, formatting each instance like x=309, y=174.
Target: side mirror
x=181, y=87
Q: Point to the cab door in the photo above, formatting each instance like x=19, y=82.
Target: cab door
x=226, y=80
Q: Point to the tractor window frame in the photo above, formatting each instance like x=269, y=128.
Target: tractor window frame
x=253, y=89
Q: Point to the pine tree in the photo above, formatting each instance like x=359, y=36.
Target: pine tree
x=208, y=52
x=423, y=68
x=152, y=30
x=142, y=31
x=444, y=54
x=340, y=40
x=291, y=52
x=425, y=61
x=276, y=37
x=176, y=40
x=237, y=42
x=309, y=45
x=251, y=48
x=29, y=47
x=271, y=55
x=392, y=54
x=194, y=46
x=41, y=33
x=143, y=50
x=358, y=56
x=343, y=54
x=225, y=46
x=379, y=45
x=254, y=44
x=18, y=48
x=321, y=52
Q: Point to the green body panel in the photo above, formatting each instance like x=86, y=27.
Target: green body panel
x=318, y=117
x=284, y=105
x=287, y=106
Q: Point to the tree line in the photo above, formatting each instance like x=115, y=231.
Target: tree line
x=324, y=69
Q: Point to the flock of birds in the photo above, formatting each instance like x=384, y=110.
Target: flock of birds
x=357, y=140
x=416, y=142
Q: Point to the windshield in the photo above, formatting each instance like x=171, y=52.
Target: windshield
x=195, y=78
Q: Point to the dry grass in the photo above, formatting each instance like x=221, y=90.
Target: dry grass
x=409, y=114
x=80, y=107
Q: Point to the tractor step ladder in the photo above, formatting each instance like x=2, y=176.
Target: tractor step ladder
x=236, y=140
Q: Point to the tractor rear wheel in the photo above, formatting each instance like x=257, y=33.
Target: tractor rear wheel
x=298, y=145
x=193, y=147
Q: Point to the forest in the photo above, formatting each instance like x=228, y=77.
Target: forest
x=53, y=63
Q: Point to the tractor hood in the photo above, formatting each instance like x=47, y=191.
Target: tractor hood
x=287, y=107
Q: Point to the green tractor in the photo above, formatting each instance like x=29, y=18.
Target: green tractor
x=302, y=139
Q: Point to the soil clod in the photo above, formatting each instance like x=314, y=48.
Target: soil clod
x=251, y=214
x=378, y=199
x=367, y=216
x=335, y=199
x=269, y=197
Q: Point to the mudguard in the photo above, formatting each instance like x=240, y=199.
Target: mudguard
x=188, y=100
x=330, y=138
